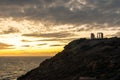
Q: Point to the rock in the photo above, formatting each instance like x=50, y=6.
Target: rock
x=97, y=59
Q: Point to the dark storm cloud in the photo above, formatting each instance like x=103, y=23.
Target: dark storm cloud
x=5, y=46
x=50, y=35
x=64, y=11
x=17, y=2
x=59, y=39
x=56, y=45
x=10, y=30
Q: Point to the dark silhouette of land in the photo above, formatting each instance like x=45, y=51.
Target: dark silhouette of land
x=81, y=59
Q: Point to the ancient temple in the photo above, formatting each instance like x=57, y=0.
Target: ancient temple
x=100, y=35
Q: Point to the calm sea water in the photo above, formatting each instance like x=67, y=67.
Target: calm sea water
x=12, y=67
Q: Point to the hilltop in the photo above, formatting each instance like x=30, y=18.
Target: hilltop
x=81, y=59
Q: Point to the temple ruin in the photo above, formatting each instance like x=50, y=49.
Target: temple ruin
x=92, y=36
x=100, y=35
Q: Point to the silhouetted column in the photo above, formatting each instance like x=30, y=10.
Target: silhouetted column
x=100, y=35
x=92, y=36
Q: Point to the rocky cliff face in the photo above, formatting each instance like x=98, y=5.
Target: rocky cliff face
x=81, y=59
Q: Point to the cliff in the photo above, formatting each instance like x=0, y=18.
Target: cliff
x=81, y=59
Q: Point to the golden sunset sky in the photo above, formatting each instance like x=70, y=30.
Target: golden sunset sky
x=44, y=27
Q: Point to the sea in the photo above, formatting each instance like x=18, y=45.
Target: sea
x=13, y=67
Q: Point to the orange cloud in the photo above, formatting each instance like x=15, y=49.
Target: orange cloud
x=10, y=30
x=5, y=46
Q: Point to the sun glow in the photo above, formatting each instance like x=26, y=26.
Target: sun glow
x=14, y=43
x=14, y=40
x=31, y=52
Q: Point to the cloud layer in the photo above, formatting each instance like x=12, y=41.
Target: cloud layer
x=30, y=23
x=5, y=46
x=10, y=30
x=64, y=11
x=50, y=35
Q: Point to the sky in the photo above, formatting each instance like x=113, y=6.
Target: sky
x=44, y=27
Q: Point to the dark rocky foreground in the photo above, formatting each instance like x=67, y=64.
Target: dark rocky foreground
x=81, y=59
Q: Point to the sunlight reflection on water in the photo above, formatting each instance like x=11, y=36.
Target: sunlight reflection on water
x=12, y=67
